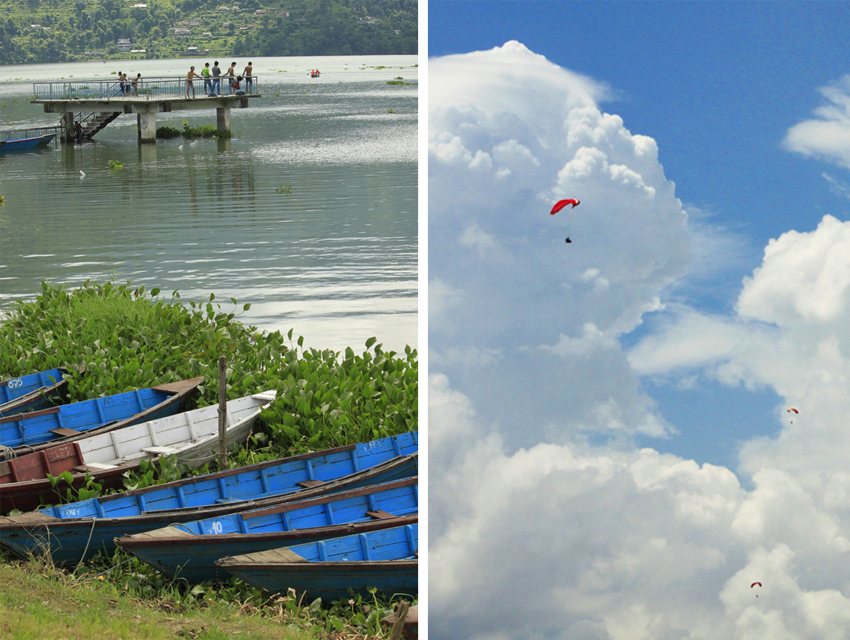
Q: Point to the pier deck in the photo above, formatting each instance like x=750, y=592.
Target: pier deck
x=88, y=106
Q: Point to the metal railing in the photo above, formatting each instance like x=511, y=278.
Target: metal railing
x=141, y=90
x=30, y=132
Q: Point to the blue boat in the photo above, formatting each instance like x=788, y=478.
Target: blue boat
x=189, y=550
x=385, y=560
x=25, y=144
x=75, y=532
x=31, y=391
x=28, y=432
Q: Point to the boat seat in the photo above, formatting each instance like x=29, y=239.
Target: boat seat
x=380, y=515
x=62, y=431
x=160, y=451
x=95, y=466
x=309, y=483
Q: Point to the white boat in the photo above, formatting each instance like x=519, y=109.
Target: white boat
x=191, y=436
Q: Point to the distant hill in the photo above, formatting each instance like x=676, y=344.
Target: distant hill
x=36, y=31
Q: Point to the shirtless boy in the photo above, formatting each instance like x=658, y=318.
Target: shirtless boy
x=189, y=84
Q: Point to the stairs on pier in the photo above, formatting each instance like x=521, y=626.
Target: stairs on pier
x=94, y=122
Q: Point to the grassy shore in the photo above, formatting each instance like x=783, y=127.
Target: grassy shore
x=114, y=338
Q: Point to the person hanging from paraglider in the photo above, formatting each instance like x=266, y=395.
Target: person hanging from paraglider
x=560, y=205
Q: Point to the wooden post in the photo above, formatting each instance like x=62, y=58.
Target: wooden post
x=222, y=413
x=400, y=611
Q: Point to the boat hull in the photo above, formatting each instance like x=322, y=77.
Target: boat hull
x=190, y=550
x=75, y=532
x=30, y=392
x=30, y=432
x=24, y=483
x=25, y=144
x=394, y=569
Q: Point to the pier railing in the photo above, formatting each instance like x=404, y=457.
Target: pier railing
x=141, y=90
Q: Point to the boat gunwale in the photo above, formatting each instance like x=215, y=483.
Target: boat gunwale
x=167, y=516
x=129, y=465
x=178, y=392
x=137, y=539
x=131, y=542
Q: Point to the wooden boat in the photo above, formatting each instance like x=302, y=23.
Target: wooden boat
x=189, y=550
x=385, y=560
x=75, y=532
x=191, y=436
x=38, y=430
x=31, y=391
x=24, y=144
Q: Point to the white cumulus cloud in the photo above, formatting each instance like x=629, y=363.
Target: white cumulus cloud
x=496, y=167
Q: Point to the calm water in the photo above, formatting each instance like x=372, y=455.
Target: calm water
x=336, y=259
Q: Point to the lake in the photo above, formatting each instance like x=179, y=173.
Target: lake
x=309, y=212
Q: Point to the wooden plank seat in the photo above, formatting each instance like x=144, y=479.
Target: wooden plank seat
x=160, y=451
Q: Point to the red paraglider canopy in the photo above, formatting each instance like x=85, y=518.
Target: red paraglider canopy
x=563, y=203
x=793, y=409
x=754, y=584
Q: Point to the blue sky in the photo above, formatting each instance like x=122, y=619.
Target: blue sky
x=616, y=408
x=717, y=85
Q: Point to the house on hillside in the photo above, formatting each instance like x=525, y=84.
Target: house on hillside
x=124, y=44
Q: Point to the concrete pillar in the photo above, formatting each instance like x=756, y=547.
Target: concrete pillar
x=223, y=118
x=147, y=127
x=68, y=127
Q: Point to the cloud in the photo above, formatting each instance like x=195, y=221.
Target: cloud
x=571, y=541
x=827, y=136
x=545, y=521
x=495, y=168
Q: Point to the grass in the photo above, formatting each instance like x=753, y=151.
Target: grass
x=37, y=601
x=40, y=601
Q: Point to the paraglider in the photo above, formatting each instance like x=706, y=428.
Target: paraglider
x=793, y=409
x=568, y=241
x=563, y=203
x=754, y=584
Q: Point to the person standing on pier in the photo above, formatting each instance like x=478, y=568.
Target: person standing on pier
x=189, y=85
x=248, y=79
x=207, y=82
x=231, y=73
x=216, y=81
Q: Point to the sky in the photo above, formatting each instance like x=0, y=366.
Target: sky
x=611, y=451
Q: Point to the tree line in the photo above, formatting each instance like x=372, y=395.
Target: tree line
x=36, y=31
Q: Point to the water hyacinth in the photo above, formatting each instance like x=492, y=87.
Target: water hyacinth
x=114, y=338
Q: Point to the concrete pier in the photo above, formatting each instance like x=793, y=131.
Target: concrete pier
x=145, y=100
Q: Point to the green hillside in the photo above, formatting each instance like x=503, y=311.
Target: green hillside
x=33, y=31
